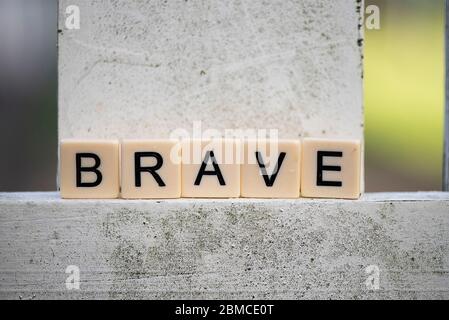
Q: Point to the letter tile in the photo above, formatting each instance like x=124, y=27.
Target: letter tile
x=330, y=168
x=89, y=169
x=151, y=169
x=271, y=169
x=211, y=169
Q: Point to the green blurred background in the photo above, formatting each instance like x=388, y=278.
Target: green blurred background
x=404, y=96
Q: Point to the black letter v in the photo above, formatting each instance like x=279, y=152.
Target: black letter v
x=269, y=181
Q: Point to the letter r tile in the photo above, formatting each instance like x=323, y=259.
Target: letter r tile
x=89, y=169
x=151, y=169
x=330, y=168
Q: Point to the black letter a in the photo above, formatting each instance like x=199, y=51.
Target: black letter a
x=215, y=172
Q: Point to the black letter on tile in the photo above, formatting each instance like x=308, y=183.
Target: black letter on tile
x=94, y=169
x=321, y=168
x=215, y=172
x=269, y=181
x=138, y=169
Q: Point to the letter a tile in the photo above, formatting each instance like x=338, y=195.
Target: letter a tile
x=211, y=169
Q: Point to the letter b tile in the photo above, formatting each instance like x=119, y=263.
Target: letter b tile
x=151, y=169
x=330, y=169
x=89, y=169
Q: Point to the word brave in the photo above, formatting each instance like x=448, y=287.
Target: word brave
x=167, y=169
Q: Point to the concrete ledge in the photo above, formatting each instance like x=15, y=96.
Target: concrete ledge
x=188, y=249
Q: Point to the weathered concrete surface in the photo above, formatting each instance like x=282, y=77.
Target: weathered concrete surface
x=284, y=249
x=138, y=69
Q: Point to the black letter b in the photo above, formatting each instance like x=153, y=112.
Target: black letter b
x=94, y=169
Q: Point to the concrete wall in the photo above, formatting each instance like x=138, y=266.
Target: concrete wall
x=142, y=69
x=227, y=249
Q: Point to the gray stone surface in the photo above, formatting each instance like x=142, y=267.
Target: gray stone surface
x=189, y=249
x=139, y=69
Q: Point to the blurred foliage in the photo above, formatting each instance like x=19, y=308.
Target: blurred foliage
x=404, y=95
